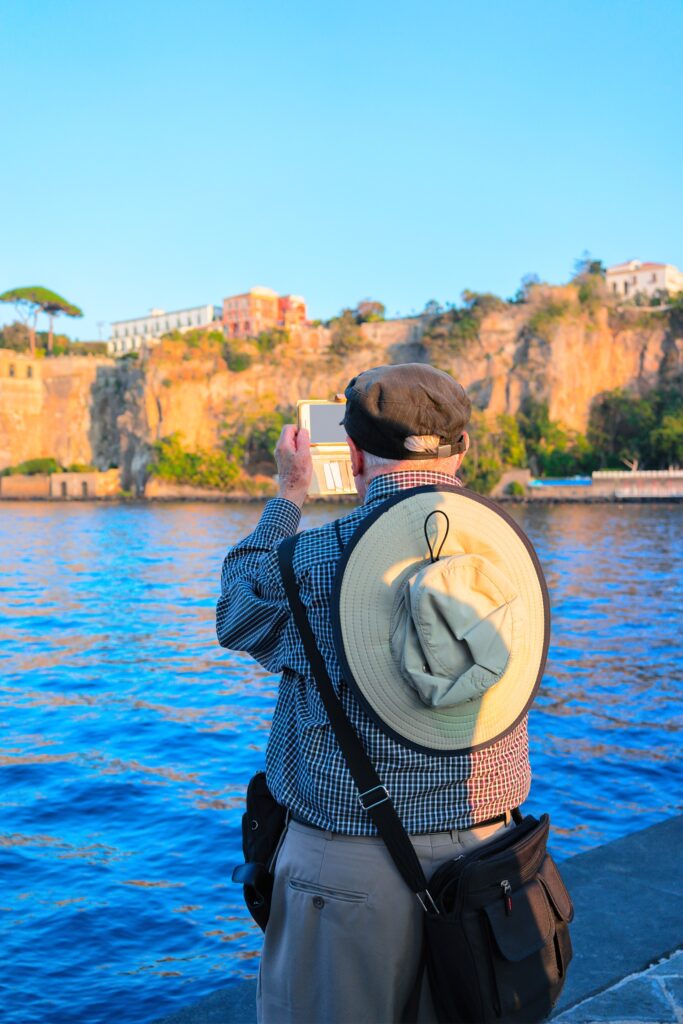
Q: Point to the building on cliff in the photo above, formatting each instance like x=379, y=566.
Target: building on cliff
x=144, y=331
x=654, y=280
x=261, y=309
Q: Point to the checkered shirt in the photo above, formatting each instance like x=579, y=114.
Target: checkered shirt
x=305, y=768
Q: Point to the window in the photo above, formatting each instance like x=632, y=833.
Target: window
x=11, y=369
x=84, y=488
x=63, y=488
x=29, y=371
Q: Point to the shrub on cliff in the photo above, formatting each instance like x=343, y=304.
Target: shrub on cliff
x=236, y=356
x=547, y=316
x=267, y=341
x=201, y=468
x=250, y=439
x=345, y=333
x=33, y=467
x=450, y=333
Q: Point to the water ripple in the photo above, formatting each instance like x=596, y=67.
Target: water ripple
x=129, y=736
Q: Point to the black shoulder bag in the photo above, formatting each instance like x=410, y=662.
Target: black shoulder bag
x=496, y=920
x=263, y=828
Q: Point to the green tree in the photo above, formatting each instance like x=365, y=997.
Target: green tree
x=667, y=441
x=482, y=302
x=619, y=428
x=525, y=285
x=34, y=299
x=588, y=266
x=15, y=336
x=510, y=441
x=368, y=310
x=483, y=465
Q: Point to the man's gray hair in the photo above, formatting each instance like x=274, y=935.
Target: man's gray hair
x=413, y=443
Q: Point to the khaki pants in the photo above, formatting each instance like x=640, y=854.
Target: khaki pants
x=344, y=938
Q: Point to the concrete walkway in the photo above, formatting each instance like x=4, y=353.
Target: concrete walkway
x=627, y=936
x=654, y=996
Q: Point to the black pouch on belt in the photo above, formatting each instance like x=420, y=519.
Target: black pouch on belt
x=263, y=827
x=498, y=948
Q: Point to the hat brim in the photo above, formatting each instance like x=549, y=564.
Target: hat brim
x=390, y=545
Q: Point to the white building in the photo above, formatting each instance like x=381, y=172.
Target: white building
x=651, y=279
x=132, y=335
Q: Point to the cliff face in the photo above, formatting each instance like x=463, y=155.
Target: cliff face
x=576, y=359
x=95, y=410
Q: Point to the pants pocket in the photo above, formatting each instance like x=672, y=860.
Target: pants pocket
x=324, y=892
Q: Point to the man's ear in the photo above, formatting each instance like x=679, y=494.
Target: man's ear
x=357, y=458
x=466, y=438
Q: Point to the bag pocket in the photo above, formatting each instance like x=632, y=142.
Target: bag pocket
x=529, y=946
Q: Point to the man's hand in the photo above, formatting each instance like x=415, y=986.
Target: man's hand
x=294, y=463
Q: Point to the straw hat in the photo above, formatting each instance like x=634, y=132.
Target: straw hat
x=441, y=619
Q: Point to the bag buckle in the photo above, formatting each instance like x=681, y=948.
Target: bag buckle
x=375, y=803
x=426, y=895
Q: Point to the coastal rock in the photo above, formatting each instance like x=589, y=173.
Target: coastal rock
x=109, y=413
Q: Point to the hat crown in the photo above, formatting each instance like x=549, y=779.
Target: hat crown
x=451, y=629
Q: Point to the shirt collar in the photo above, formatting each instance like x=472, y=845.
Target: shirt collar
x=384, y=486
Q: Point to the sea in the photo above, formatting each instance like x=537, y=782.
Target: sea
x=128, y=735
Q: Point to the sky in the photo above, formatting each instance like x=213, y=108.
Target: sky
x=166, y=154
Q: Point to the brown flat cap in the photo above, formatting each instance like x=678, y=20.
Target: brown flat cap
x=387, y=404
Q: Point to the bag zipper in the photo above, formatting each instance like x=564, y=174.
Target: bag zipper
x=507, y=896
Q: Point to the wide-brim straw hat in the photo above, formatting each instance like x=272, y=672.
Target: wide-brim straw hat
x=441, y=619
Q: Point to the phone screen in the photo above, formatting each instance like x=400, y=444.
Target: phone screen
x=325, y=426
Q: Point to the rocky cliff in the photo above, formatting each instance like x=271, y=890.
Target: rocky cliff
x=95, y=410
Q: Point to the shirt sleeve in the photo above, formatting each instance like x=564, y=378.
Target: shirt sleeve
x=252, y=611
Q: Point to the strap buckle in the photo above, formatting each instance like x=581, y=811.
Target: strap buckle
x=375, y=803
x=426, y=895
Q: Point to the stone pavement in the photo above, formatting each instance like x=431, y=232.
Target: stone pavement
x=627, y=936
x=654, y=996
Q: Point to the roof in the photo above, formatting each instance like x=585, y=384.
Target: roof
x=631, y=265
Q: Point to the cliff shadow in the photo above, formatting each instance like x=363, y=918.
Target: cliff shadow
x=119, y=431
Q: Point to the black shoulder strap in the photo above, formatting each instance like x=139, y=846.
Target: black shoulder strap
x=373, y=795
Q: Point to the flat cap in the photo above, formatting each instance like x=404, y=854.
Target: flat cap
x=387, y=404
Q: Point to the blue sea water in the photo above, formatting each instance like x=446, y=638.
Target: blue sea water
x=128, y=736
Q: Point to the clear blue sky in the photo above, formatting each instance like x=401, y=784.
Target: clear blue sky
x=170, y=153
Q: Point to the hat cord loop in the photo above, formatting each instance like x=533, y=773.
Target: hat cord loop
x=437, y=512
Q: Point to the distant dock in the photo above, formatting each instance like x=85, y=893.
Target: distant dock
x=602, y=485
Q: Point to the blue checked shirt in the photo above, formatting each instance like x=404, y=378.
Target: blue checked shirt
x=305, y=768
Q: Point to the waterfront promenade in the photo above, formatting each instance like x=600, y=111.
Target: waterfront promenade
x=627, y=936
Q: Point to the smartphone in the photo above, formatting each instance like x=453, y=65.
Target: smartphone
x=329, y=450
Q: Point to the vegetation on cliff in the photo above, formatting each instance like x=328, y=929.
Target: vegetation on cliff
x=625, y=429
x=45, y=466
x=17, y=337
x=201, y=468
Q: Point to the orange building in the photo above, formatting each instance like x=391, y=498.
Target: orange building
x=261, y=309
x=292, y=311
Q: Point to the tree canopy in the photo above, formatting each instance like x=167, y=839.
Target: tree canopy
x=43, y=299
x=34, y=299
